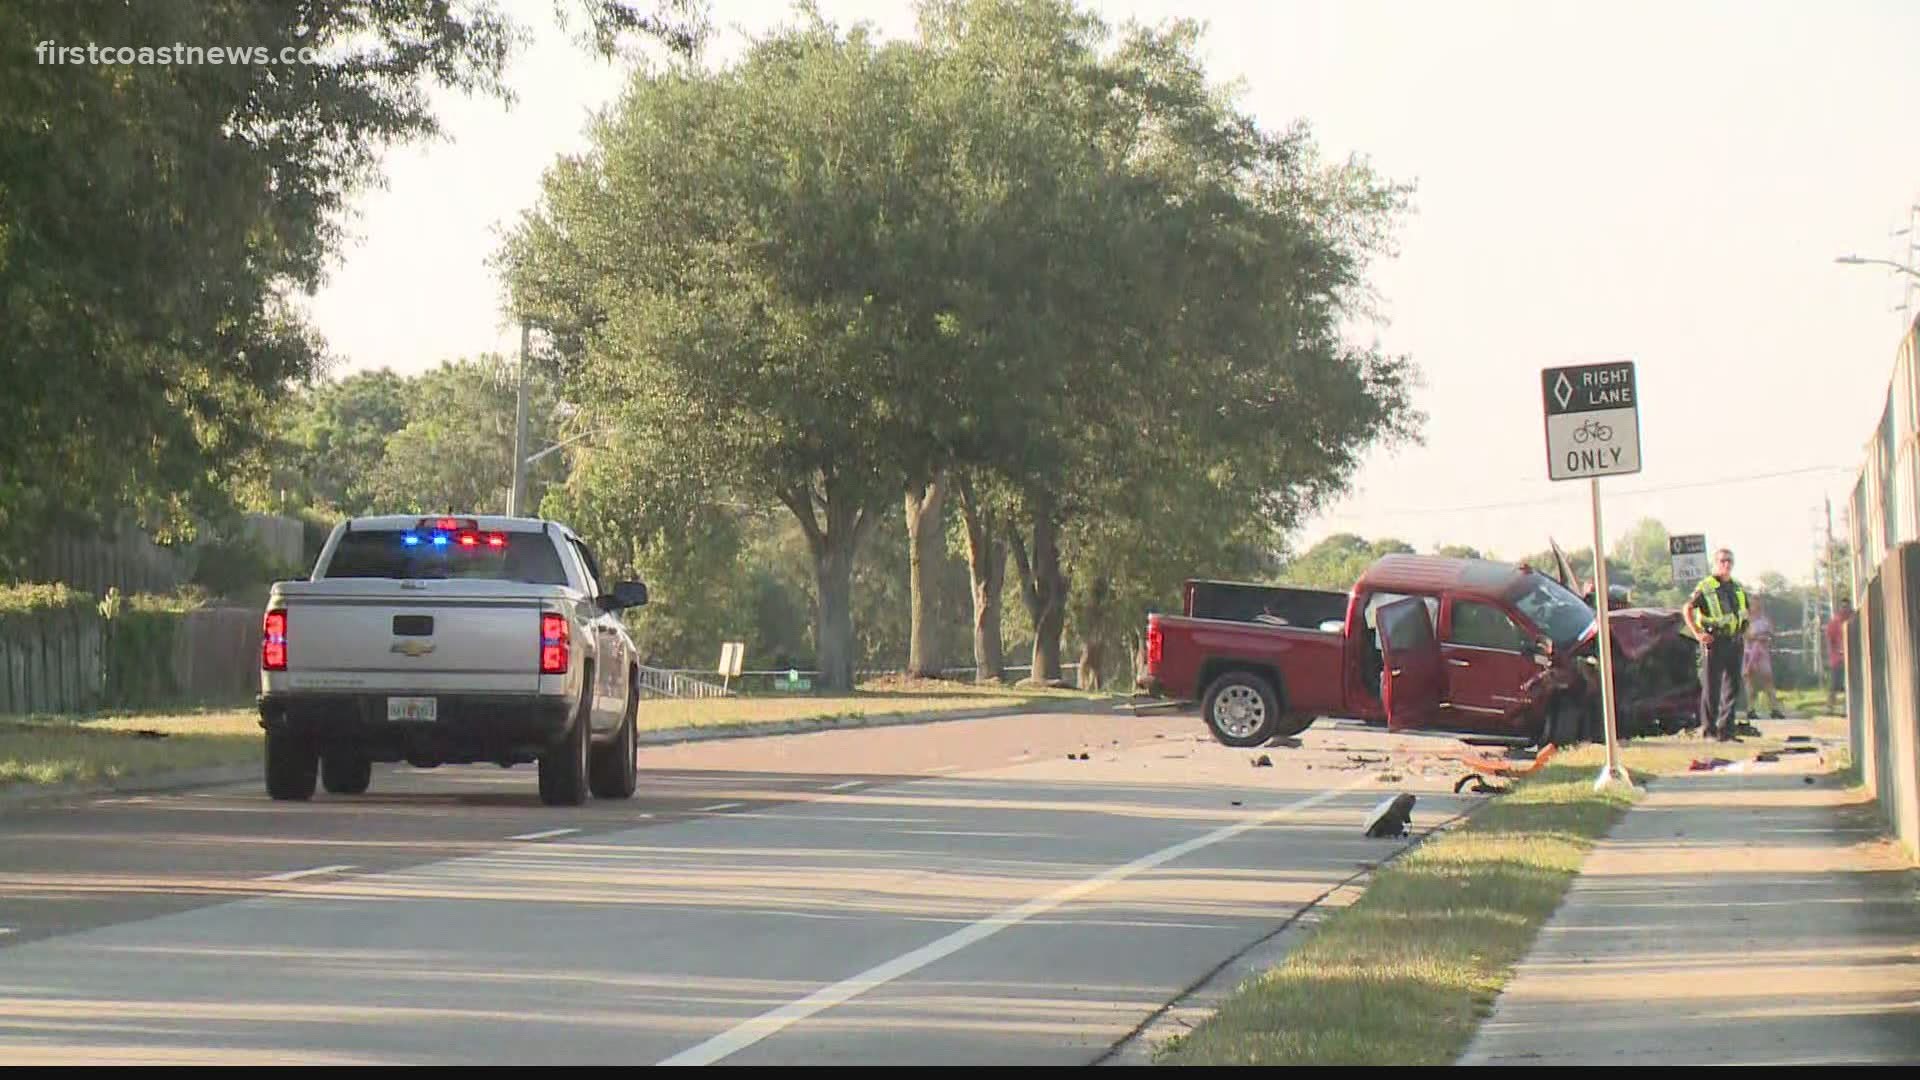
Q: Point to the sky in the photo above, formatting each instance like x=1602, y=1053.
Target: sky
x=1666, y=183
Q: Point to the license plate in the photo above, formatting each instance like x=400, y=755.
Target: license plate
x=418, y=709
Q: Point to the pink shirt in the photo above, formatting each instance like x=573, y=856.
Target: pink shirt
x=1836, y=640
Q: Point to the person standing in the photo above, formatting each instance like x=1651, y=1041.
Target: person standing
x=1716, y=613
x=1759, y=662
x=1837, y=654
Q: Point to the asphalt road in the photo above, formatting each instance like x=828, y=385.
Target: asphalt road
x=952, y=893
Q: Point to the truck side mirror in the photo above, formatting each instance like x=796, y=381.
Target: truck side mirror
x=627, y=594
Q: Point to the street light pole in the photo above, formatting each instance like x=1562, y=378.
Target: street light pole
x=1855, y=260
x=517, y=500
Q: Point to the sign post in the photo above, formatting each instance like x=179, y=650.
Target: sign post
x=1689, y=554
x=1593, y=430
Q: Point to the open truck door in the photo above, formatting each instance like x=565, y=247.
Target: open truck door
x=1413, y=680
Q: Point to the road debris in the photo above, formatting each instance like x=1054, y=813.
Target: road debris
x=1480, y=785
x=1391, y=818
x=1263, y=762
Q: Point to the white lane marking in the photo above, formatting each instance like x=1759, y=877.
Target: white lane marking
x=549, y=834
x=296, y=875
x=845, y=786
x=943, y=768
x=719, y=806
x=774, y=1021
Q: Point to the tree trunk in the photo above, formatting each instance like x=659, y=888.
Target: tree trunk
x=1093, y=659
x=1043, y=588
x=924, y=535
x=833, y=546
x=987, y=567
x=833, y=617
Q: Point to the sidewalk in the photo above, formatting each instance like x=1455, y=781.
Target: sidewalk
x=1729, y=919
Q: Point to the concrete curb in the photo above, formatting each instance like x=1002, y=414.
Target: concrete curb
x=1203, y=998
x=214, y=776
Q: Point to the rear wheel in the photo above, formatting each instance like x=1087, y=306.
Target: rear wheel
x=345, y=773
x=563, y=768
x=1241, y=709
x=292, y=766
x=615, y=775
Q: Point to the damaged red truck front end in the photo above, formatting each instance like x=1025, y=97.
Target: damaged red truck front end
x=1421, y=643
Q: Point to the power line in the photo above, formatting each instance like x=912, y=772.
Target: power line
x=1523, y=503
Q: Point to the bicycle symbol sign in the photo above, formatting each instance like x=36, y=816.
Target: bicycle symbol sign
x=1592, y=420
x=1593, y=429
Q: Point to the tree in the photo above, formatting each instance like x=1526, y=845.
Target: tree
x=455, y=452
x=704, y=584
x=1337, y=561
x=775, y=305
x=155, y=219
x=1170, y=301
x=328, y=442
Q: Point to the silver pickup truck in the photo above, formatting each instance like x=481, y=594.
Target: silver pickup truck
x=449, y=640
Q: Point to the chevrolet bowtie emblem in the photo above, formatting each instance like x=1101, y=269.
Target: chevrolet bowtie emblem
x=412, y=648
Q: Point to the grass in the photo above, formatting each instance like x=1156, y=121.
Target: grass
x=59, y=749
x=890, y=696
x=1404, y=975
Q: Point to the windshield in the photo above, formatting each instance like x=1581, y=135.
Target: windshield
x=386, y=553
x=1553, y=608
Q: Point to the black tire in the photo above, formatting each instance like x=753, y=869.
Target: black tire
x=614, y=774
x=1292, y=724
x=1241, y=709
x=1565, y=720
x=345, y=774
x=563, y=768
x=293, y=764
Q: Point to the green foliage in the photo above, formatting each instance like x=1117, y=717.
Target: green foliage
x=155, y=219
x=1338, y=561
x=28, y=600
x=138, y=643
x=455, y=451
x=1016, y=244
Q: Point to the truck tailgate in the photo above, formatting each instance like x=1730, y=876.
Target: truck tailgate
x=388, y=635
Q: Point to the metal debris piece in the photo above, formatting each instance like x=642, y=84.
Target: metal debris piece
x=1391, y=818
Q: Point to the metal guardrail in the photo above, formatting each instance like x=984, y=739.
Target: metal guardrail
x=663, y=682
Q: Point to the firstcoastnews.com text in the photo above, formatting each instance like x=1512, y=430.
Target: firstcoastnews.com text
x=179, y=53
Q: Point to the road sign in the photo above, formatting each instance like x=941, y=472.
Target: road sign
x=1593, y=421
x=732, y=657
x=1689, y=558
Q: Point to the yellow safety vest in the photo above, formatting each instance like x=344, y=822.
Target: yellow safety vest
x=1716, y=620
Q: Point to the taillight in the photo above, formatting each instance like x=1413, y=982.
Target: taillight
x=1153, y=646
x=553, y=644
x=273, y=642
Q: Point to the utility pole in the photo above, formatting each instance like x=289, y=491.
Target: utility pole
x=516, y=501
x=1833, y=579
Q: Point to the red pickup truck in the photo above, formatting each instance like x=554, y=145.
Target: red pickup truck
x=1421, y=642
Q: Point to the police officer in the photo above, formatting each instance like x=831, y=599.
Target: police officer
x=1717, y=615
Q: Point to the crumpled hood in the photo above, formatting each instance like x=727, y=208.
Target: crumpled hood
x=1637, y=632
